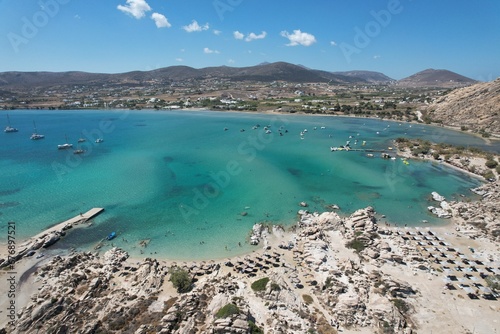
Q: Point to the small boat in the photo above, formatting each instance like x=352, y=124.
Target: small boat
x=8, y=128
x=35, y=135
x=268, y=131
x=81, y=140
x=78, y=151
x=332, y=148
x=99, y=140
x=111, y=236
x=65, y=146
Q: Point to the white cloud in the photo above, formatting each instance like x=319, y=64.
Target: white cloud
x=252, y=36
x=136, y=8
x=209, y=51
x=77, y=17
x=180, y=60
x=376, y=57
x=238, y=35
x=217, y=32
x=333, y=43
x=299, y=38
x=160, y=20
x=231, y=61
x=194, y=26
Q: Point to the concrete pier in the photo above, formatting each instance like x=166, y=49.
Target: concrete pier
x=81, y=218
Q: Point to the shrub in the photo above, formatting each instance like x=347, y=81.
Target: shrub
x=464, y=128
x=181, y=280
x=401, y=305
x=227, y=311
x=307, y=299
x=498, y=169
x=489, y=175
x=491, y=163
x=275, y=287
x=355, y=244
x=260, y=285
x=254, y=329
x=493, y=282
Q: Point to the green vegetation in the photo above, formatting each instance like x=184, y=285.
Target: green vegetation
x=328, y=283
x=307, y=299
x=227, y=311
x=498, y=169
x=484, y=134
x=489, y=175
x=493, y=282
x=254, y=329
x=491, y=163
x=401, y=305
x=356, y=244
x=181, y=280
x=275, y=287
x=260, y=285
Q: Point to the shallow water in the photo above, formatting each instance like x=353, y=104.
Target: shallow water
x=180, y=180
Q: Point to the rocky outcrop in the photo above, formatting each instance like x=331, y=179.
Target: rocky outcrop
x=480, y=218
x=476, y=107
x=331, y=276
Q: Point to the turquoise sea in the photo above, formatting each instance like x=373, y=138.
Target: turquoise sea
x=181, y=180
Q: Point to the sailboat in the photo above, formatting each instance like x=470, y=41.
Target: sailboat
x=9, y=128
x=65, y=146
x=36, y=136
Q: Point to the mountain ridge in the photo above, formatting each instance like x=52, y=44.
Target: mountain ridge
x=264, y=72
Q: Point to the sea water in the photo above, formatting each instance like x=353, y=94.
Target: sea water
x=193, y=183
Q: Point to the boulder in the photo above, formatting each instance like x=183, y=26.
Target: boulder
x=437, y=197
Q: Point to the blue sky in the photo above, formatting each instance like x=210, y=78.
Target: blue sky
x=396, y=37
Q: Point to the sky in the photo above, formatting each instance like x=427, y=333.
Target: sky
x=395, y=37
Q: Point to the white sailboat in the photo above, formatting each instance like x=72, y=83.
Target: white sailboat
x=65, y=145
x=35, y=135
x=9, y=128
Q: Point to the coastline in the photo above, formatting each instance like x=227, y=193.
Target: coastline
x=393, y=255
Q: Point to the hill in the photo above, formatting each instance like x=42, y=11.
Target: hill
x=436, y=78
x=476, y=107
x=265, y=72
x=368, y=76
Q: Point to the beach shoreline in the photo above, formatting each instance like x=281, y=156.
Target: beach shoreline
x=309, y=260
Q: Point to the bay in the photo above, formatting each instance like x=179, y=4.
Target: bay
x=182, y=179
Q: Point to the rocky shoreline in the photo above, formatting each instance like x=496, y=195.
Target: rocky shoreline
x=327, y=274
